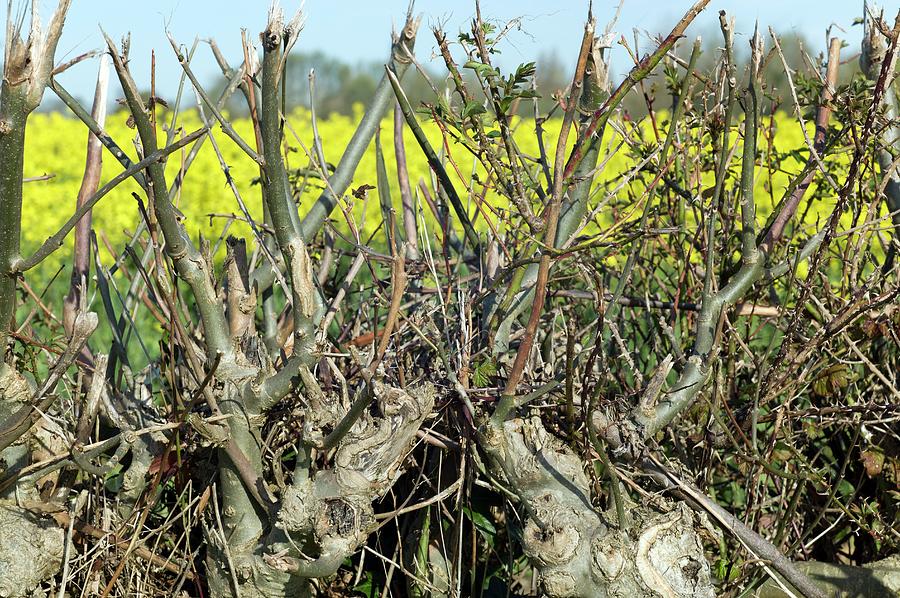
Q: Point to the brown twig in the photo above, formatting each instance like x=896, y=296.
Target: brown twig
x=64, y=519
x=823, y=114
x=638, y=73
x=406, y=196
x=551, y=217
x=89, y=184
x=398, y=288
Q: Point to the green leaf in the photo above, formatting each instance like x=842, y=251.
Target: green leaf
x=832, y=379
x=524, y=72
x=483, y=70
x=481, y=523
x=114, y=478
x=845, y=488
x=366, y=587
x=473, y=108
x=726, y=569
x=483, y=372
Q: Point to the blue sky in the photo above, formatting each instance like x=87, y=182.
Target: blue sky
x=358, y=30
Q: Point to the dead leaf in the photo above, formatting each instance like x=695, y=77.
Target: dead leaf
x=873, y=461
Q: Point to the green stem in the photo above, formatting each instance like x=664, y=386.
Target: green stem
x=749, y=251
x=433, y=161
x=184, y=61
x=340, y=181
x=190, y=264
x=277, y=195
x=95, y=128
x=26, y=72
x=12, y=149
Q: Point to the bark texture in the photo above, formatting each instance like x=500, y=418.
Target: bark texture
x=31, y=550
x=576, y=549
x=881, y=578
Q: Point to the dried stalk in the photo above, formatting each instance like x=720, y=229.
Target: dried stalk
x=89, y=184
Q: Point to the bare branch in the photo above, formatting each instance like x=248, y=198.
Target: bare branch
x=89, y=184
x=191, y=265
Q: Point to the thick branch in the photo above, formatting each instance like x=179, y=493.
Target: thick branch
x=382, y=99
x=758, y=545
x=874, y=50
x=27, y=65
x=278, y=200
x=189, y=263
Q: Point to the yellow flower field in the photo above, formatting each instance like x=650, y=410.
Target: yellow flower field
x=56, y=145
